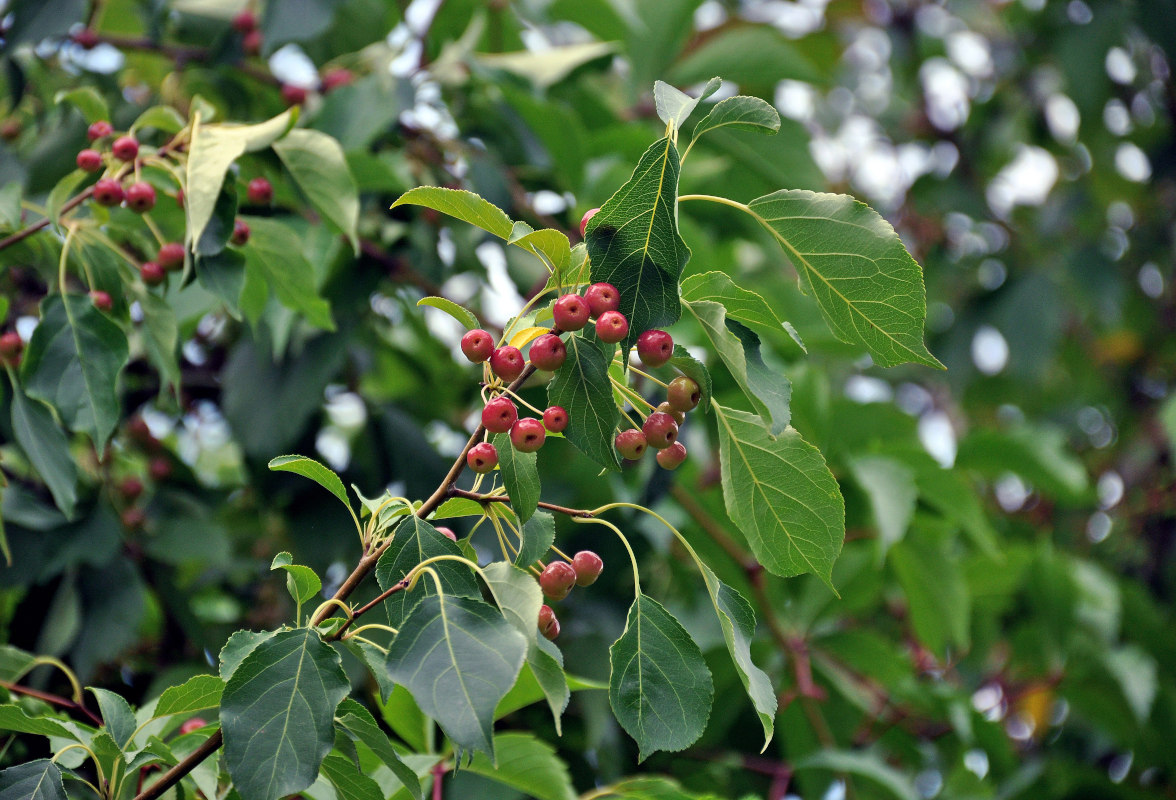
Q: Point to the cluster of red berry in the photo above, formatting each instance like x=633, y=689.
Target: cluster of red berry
x=139, y=196
x=245, y=23
x=159, y=468
x=557, y=580
x=660, y=430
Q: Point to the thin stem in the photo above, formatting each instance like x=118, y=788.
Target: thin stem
x=660, y=383
x=370, y=627
x=53, y=699
x=502, y=498
x=631, y=395
x=369, y=606
x=712, y=198
x=624, y=541
x=521, y=401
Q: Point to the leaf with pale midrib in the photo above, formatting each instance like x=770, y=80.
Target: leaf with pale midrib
x=660, y=688
x=538, y=536
x=316, y=162
x=277, y=714
x=458, y=657
x=359, y=724
x=520, y=476
x=36, y=780
x=414, y=541
x=582, y=387
x=741, y=112
x=47, y=448
x=73, y=361
x=634, y=243
x=461, y=204
x=869, y=288
x=529, y=765
x=195, y=694
x=780, y=493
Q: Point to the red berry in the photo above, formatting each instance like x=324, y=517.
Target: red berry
x=683, y=393
x=602, y=297
x=666, y=408
x=171, y=255
x=194, y=724
x=507, y=362
x=589, y=214
x=240, y=232
x=655, y=347
x=101, y=300
x=125, y=148
x=160, y=469
x=99, y=130
x=571, y=312
x=548, y=352
x=293, y=95
x=10, y=347
x=672, y=456
x=631, y=444
x=555, y=419
x=499, y=415
x=477, y=345
x=527, y=435
x=588, y=567
x=10, y=129
x=90, y=160
x=152, y=274
x=447, y=533
x=108, y=192
x=612, y=327
x=548, y=624
x=140, y=197
x=260, y=192
x=85, y=39
x=334, y=78
x=131, y=488
x=251, y=43
x=180, y=198
x=244, y=22
x=482, y=457
x=557, y=580
x=660, y=430
x=133, y=519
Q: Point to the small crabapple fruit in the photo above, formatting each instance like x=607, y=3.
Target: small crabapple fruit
x=672, y=456
x=499, y=415
x=555, y=419
x=90, y=160
x=482, y=458
x=108, y=192
x=101, y=300
x=151, y=273
x=294, y=95
x=527, y=435
x=666, y=408
x=683, y=393
x=240, y=232
x=557, y=579
x=446, y=532
x=336, y=77
x=507, y=362
x=571, y=312
x=244, y=21
x=86, y=39
x=655, y=347
x=631, y=444
x=602, y=297
x=99, y=130
x=134, y=519
x=589, y=214
x=160, y=469
x=11, y=346
x=194, y=724
x=125, y=148
x=140, y=197
x=612, y=327
x=260, y=191
x=548, y=352
x=477, y=345
x=171, y=255
x=131, y=488
x=548, y=624
x=660, y=430
x=251, y=43
x=588, y=567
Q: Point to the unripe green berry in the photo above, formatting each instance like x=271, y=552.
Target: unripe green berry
x=683, y=393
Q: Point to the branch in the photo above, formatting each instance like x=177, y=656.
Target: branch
x=53, y=699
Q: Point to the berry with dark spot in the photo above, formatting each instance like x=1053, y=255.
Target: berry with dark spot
x=672, y=456
x=655, y=347
x=631, y=444
x=108, y=192
x=101, y=300
x=548, y=624
x=499, y=415
x=240, y=232
x=260, y=192
x=527, y=435
x=612, y=327
x=555, y=419
x=140, y=197
x=171, y=255
x=507, y=362
x=151, y=273
x=660, y=430
x=125, y=148
x=589, y=214
x=602, y=297
x=90, y=160
x=557, y=579
x=548, y=352
x=683, y=393
x=477, y=345
x=482, y=457
x=99, y=130
x=571, y=312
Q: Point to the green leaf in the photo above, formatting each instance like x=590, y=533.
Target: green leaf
x=414, y=541
x=15, y=663
x=458, y=507
x=529, y=765
x=742, y=304
x=315, y=471
x=890, y=487
x=674, y=106
x=239, y=645
x=275, y=251
x=47, y=448
x=748, y=56
x=212, y=150
x=520, y=476
x=195, y=694
x=737, y=619
x=301, y=582
x=866, y=764
x=348, y=781
x=36, y=780
x=277, y=714
x=159, y=333
x=162, y=118
x=87, y=100
x=61, y=192
x=359, y=724
x=224, y=275
x=519, y=597
x=737, y=345
x=552, y=244
x=373, y=658
x=742, y=113
x=451, y=308
x=461, y=204
x=458, y=657
x=849, y=258
x=14, y=718
x=694, y=369
x=216, y=234
x=780, y=493
x=10, y=219
x=660, y=688
x=538, y=536
x=938, y=600
x=315, y=160
x=582, y=387
x=116, y=714
x=1038, y=454
x=73, y=362
x=634, y=244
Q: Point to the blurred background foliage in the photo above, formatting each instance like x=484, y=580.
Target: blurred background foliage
x=1004, y=627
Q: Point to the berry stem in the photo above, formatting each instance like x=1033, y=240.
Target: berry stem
x=521, y=401
x=624, y=541
x=660, y=383
x=502, y=498
x=633, y=394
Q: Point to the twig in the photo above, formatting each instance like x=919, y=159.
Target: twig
x=53, y=699
x=502, y=498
